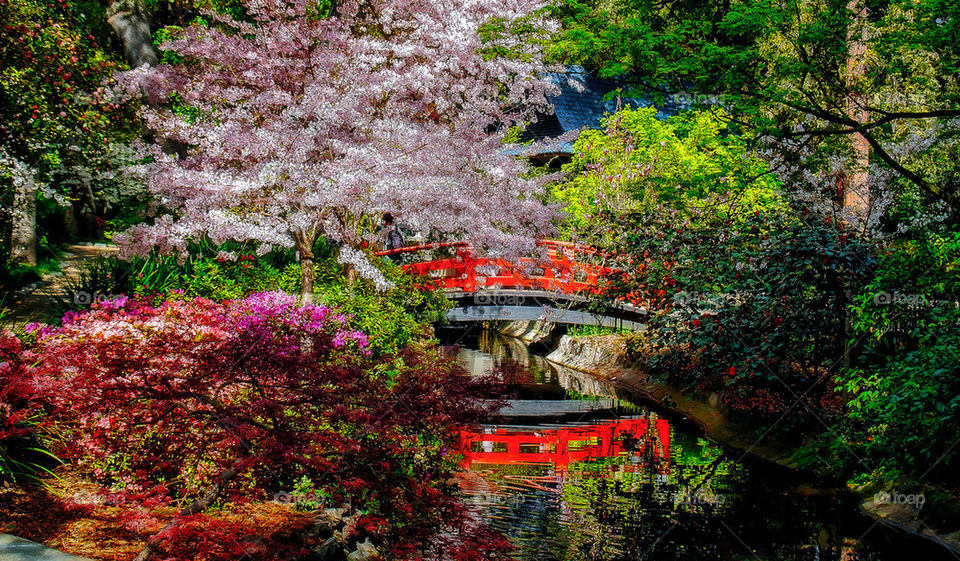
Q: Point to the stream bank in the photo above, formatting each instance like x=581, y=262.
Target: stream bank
x=603, y=357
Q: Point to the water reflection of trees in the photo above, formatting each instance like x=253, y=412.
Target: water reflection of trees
x=613, y=507
x=611, y=510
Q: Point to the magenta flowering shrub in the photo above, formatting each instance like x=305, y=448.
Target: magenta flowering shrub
x=193, y=403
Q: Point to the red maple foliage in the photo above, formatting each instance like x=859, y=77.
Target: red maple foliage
x=195, y=404
x=19, y=409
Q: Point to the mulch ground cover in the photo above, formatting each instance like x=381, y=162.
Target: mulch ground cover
x=70, y=514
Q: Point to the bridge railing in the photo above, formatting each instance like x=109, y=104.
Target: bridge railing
x=560, y=270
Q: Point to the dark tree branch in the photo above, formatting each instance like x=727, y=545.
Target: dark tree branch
x=952, y=200
x=199, y=505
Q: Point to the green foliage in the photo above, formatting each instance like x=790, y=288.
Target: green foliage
x=50, y=71
x=391, y=320
x=163, y=35
x=21, y=275
x=762, y=51
x=25, y=457
x=752, y=309
x=592, y=330
x=747, y=294
x=204, y=273
x=783, y=68
x=904, y=390
x=307, y=496
x=512, y=39
x=56, y=116
x=779, y=69
x=639, y=162
x=16, y=276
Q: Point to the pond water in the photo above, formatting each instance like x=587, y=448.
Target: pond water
x=631, y=484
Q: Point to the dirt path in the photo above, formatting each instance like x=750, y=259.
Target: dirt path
x=37, y=304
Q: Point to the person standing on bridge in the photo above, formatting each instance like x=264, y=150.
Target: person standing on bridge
x=390, y=236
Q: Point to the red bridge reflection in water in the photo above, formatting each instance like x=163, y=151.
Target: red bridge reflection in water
x=645, y=440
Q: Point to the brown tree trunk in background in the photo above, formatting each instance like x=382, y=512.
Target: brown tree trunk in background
x=854, y=188
x=855, y=196
x=130, y=20
x=306, y=278
x=304, y=242
x=23, y=239
x=85, y=209
x=351, y=275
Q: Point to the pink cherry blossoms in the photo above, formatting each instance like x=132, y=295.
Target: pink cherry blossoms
x=298, y=126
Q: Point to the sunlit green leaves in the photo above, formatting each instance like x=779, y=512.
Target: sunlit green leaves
x=639, y=162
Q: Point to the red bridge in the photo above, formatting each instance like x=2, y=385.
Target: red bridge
x=641, y=438
x=462, y=270
x=562, y=287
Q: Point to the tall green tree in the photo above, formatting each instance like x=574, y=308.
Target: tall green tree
x=846, y=77
x=59, y=133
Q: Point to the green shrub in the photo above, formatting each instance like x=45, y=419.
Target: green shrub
x=202, y=273
x=903, y=389
x=392, y=319
x=591, y=330
x=751, y=307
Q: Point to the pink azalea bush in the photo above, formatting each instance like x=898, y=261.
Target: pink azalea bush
x=192, y=403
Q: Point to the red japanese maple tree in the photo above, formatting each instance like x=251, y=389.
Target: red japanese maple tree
x=192, y=403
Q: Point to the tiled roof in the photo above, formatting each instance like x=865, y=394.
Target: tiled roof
x=581, y=104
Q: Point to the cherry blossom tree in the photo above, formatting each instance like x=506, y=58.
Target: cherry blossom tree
x=304, y=122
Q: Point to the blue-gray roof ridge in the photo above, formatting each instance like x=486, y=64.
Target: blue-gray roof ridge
x=581, y=104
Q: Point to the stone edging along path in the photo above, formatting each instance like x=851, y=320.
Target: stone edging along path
x=602, y=356
x=13, y=548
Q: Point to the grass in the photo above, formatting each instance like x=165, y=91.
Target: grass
x=591, y=330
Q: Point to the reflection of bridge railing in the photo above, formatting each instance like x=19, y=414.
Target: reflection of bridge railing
x=561, y=270
x=567, y=445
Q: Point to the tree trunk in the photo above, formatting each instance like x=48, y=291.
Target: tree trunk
x=350, y=275
x=23, y=242
x=130, y=20
x=306, y=278
x=304, y=240
x=855, y=195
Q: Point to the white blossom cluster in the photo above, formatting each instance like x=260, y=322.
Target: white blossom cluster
x=299, y=126
x=363, y=267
